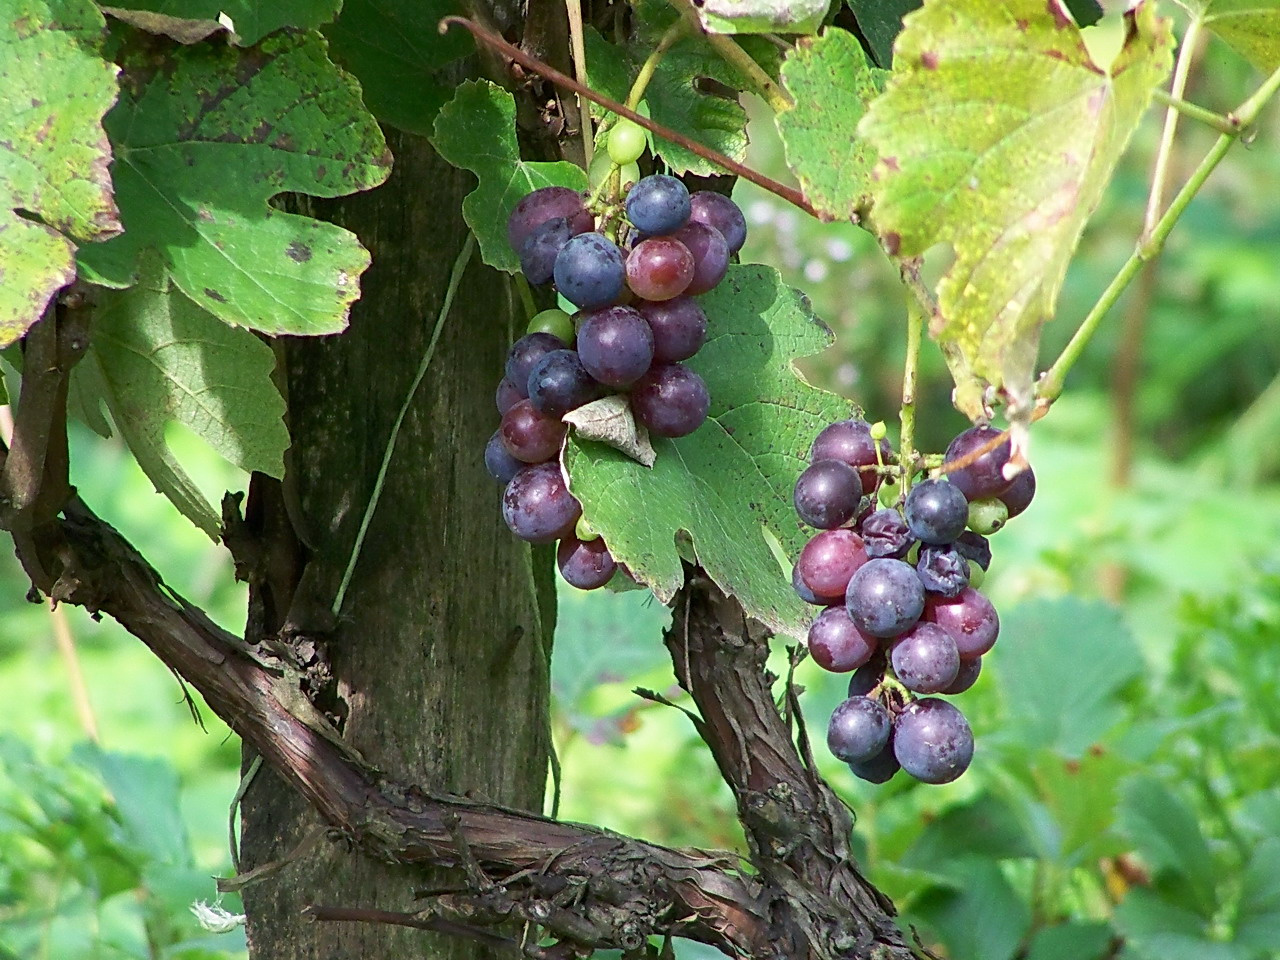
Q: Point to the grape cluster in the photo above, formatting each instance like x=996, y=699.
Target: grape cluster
x=637, y=320
x=899, y=584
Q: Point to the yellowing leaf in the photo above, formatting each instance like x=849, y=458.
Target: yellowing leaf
x=997, y=135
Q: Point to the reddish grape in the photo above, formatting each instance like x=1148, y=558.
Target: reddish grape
x=710, y=255
x=585, y=564
x=529, y=435
x=970, y=618
x=679, y=327
x=984, y=477
x=828, y=561
x=670, y=400
x=803, y=592
x=659, y=268
x=508, y=395
x=542, y=205
x=850, y=441
x=538, y=506
x=836, y=644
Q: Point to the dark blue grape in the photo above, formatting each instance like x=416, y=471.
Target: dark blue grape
x=658, y=204
x=502, y=466
x=541, y=248
x=529, y=435
x=589, y=271
x=542, y=205
x=524, y=356
x=885, y=534
x=932, y=741
x=585, y=564
x=538, y=506
x=868, y=676
x=710, y=255
x=827, y=494
x=984, y=477
x=836, y=644
x=615, y=345
x=508, y=395
x=679, y=327
x=885, y=597
x=942, y=569
x=1018, y=497
x=966, y=677
x=925, y=659
x=936, y=511
x=858, y=730
x=880, y=768
x=718, y=211
x=560, y=383
x=975, y=547
x=850, y=441
x=670, y=400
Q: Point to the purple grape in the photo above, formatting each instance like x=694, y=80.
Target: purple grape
x=858, y=730
x=802, y=591
x=984, y=477
x=868, y=676
x=615, y=345
x=585, y=564
x=718, y=211
x=880, y=768
x=970, y=618
x=936, y=511
x=539, y=251
x=828, y=561
x=850, y=441
x=942, y=569
x=560, y=383
x=966, y=677
x=502, y=466
x=538, y=506
x=659, y=268
x=679, y=327
x=828, y=494
x=543, y=205
x=670, y=400
x=507, y=395
x=529, y=435
x=975, y=547
x=524, y=356
x=589, y=271
x=932, y=741
x=710, y=255
x=886, y=535
x=885, y=597
x=1018, y=497
x=658, y=204
x=924, y=659
x=836, y=644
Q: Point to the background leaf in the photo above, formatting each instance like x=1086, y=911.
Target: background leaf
x=1252, y=27
x=762, y=16
x=880, y=22
x=832, y=84
x=205, y=137
x=476, y=130
x=981, y=918
x=54, y=89
x=997, y=135
x=395, y=50
x=156, y=357
x=252, y=19
x=1164, y=830
x=731, y=479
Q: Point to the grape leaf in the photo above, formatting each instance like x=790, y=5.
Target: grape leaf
x=832, y=84
x=762, y=16
x=476, y=130
x=251, y=20
x=997, y=134
x=1251, y=27
x=728, y=484
x=54, y=183
x=205, y=136
x=155, y=357
x=395, y=50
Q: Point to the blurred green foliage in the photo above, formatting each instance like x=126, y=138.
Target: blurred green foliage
x=1125, y=797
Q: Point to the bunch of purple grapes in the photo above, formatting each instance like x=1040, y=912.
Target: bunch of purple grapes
x=637, y=319
x=900, y=589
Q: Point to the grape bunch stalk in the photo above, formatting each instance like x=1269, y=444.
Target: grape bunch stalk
x=633, y=266
x=899, y=584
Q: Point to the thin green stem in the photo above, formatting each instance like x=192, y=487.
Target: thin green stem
x=526, y=296
x=907, y=414
x=455, y=279
x=1223, y=124
x=1051, y=383
x=650, y=65
x=1160, y=173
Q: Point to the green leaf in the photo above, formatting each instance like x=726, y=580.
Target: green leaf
x=1258, y=918
x=880, y=22
x=1072, y=940
x=251, y=20
x=1060, y=664
x=983, y=919
x=158, y=357
x=997, y=135
x=832, y=84
x=205, y=137
x=146, y=794
x=476, y=130
x=395, y=50
x=1155, y=929
x=762, y=16
x=728, y=484
x=984, y=827
x=1163, y=827
x=1252, y=27
x=54, y=89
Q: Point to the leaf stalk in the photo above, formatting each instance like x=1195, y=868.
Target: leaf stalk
x=907, y=413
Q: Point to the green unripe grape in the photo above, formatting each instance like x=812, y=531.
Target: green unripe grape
x=976, y=574
x=584, y=531
x=889, y=492
x=626, y=142
x=879, y=430
x=555, y=322
x=602, y=166
x=630, y=175
x=987, y=516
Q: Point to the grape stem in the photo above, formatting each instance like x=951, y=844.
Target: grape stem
x=789, y=194
x=1051, y=382
x=1228, y=124
x=907, y=413
x=733, y=54
x=1160, y=173
x=650, y=65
